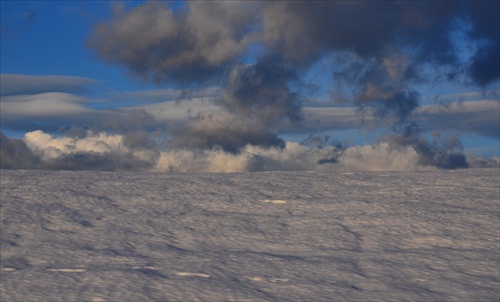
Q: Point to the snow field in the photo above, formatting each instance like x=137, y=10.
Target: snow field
x=111, y=236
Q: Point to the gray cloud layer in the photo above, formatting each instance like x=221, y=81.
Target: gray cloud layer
x=473, y=113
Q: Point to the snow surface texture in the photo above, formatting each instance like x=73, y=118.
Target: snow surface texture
x=271, y=236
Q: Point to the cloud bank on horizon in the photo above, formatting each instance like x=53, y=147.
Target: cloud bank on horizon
x=257, y=55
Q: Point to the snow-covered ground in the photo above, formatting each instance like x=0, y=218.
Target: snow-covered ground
x=269, y=236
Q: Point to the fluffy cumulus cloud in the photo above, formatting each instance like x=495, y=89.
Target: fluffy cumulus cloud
x=254, y=58
x=112, y=152
x=157, y=44
x=94, y=151
x=48, y=147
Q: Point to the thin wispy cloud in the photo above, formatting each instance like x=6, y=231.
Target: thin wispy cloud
x=17, y=84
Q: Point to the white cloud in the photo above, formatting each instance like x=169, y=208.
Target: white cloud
x=50, y=104
x=295, y=157
x=381, y=157
x=49, y=147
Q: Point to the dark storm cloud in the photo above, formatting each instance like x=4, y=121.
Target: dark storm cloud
x=376, y=53
x=257, y=97
x=442, y=152
x=159, y=45
x=397, y=39
x=14, y=154
x=229, y=133
x=302, y=30
x=16, y=84
x=485, y=66
x=383, y=48
x=262, y=90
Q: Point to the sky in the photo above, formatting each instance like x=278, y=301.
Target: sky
x=249, y=86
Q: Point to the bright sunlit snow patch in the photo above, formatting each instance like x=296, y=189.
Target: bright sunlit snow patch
x=67, y=270
x=187, y=274
x=274, y=201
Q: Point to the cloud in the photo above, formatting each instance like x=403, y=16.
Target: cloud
x=94, y=151
x=50, y=110
x=58, y=111
x=479, y=117
x=485, y=66
x=227, y=132
x=384, y=156
x=464, y=96
x=48, y=147
x=17, y=84
x=471, y=112
x=201, y=161
x=318, y=119
x=294, y=157
x=165, y=95
x=157, y=44
x=256, y=98
x=442, y=152
x=378, y=51
x=472, y=117
x=244, y=65
x=14, y=154
x=44, y=104
x=112, y=152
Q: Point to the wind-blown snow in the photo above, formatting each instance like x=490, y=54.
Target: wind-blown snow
x=288, y=236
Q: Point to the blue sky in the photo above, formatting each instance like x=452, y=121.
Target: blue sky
x=59, y=73
x=48, y=38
